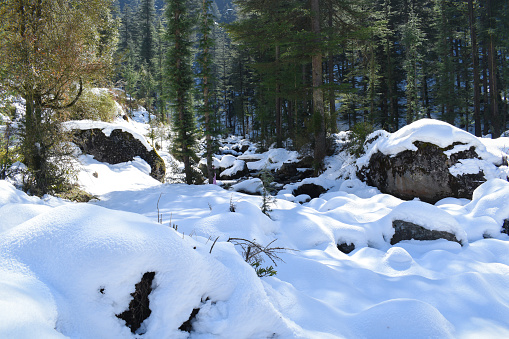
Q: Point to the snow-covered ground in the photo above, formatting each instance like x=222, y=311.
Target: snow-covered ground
x=66, y=269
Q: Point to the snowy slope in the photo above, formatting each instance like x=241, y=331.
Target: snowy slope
x=57, y=256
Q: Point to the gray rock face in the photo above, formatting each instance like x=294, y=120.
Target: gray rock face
x=119, y=147
x=405, y=230
x=422, y=174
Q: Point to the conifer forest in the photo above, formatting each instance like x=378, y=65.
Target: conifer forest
x=293, y=71
x=287, y=73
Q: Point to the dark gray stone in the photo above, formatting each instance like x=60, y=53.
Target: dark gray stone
x=313, y=190
x=346, y=248
x=505, y=226
x=119, y=147
x=422, y=174
x=139, y=307
x=405, y=230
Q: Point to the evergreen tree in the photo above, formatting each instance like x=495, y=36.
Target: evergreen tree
x=205, y=59
x=147, y=33
x=180, y=82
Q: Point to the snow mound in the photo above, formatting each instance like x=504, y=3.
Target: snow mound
x=403, y=318
x=90, y=258
x=251, y=186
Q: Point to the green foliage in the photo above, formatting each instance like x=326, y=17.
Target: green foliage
x=267, y=199
x=261, y=272
x=254, y=254
x=180, y=81
x=94, y=104
x=358, y=135
x=9, y=151
x=74, y=193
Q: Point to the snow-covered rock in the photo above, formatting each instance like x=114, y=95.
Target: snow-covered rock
x=115, y=144
x=429, y=160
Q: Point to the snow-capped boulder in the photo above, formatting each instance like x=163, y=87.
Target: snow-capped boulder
x=235, y=170
x=429, y=160
x=252, y=186
x=114, y=144
x=404, y=230
x=418, y=220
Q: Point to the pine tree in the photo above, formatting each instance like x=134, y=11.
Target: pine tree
x=205, y=59
x=147, y=32
x=412, y=39
x=180, y=82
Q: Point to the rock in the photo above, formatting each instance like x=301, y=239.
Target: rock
x=405, y=230
x=252, y=186
x=423, y=174
x=295, y=171
x=346, y=248
x=139, y=307
x=238, y=170
x=313, y=190
x=119, y=146
x=505, y=226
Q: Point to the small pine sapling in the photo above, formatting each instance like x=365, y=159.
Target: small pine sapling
x=267, y=199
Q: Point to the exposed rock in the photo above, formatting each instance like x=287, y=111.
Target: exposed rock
x=505, y=226
x=139, y=306
x=240, y=148
x=313, y=190
x=237, y=171
x=118, y=147
x=346, y=248
x=187, y=326
x=422, y=174
x=295, y=171
x=405, y=230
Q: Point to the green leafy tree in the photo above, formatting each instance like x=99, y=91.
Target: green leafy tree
x=49, y=50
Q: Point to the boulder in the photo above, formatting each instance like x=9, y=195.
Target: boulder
x=346, y=247
x=313, y=190
x=119, y=146
x=405, y=230
x=423, y=173
x=238, y=170
x=295, y=171
x=505, y=226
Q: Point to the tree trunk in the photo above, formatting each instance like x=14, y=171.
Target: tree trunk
x=318, y=109
x=475, y=63
x=492, y=64
x=279, y=134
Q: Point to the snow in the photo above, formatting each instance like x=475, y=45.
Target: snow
x=273, y=159
x=107, y=128
x=491, y=152
x=252, y=186
x=57, y=256
x=236, y=166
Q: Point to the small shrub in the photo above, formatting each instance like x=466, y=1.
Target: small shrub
x=359, y=133
x=233, y=207
x=263, y=271
x=252, y=253
x=267, y=199
x=94, y=104
x=74, y=193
